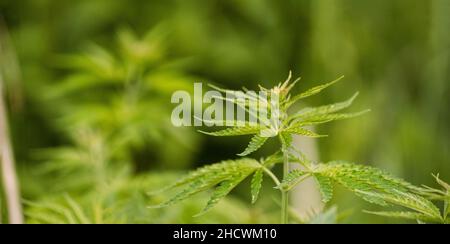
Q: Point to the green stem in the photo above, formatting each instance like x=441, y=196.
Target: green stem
x=285, y=194
x=274, y=177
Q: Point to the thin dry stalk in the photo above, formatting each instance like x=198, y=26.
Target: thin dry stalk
x=10, y=182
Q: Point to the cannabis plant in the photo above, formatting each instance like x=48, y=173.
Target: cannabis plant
x=371, y=184
x=108, y=138
x=126, y=202
x=131, y=114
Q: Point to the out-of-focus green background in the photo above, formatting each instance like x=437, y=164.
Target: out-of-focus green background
x=88, y=87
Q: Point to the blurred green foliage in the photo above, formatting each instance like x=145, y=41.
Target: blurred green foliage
x=97, y=76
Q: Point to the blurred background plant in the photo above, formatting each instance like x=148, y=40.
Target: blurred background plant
x=92, y=122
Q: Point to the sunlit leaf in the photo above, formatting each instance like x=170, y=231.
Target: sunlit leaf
x=326, y=109
x=221, y=191
x=313, y=91
x=411, y=201
x=303, y=132
x=256, y=184
x=226, y=174
x=256, y=142
x=404, y=215
x=325, y=187
x=325, y=118
x=235, y=131
x=292, y=179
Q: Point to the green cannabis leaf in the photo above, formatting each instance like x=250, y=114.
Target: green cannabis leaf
x=404, y=215
x=359, y=178
x=375, y=186
x=288, y=125
x=256, y=142
x=256, y=184
x=223, y=177
x=313, y=91
x=276, y=102
x=292, y=179
x=325, y=187
x=235, y=131
x=371, y=184
x=411, y=201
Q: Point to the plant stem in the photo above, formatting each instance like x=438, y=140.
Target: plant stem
x=285, y=194
x=7, y=162
x=274, y=177
x=10, y=183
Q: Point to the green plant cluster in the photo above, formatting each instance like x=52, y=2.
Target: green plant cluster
x=95, y=175
x=371, y=184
